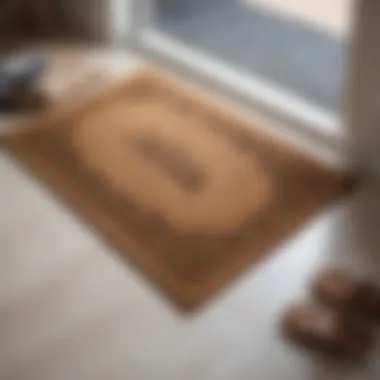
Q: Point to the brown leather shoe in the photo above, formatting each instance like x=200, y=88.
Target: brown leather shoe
x=339, y=290
x=326, y=332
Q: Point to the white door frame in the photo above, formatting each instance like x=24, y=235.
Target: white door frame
x=361, y=113
x=337, y=132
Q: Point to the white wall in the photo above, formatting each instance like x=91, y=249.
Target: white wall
x=363, y=87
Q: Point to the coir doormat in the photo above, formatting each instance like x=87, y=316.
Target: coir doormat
x=188, y=191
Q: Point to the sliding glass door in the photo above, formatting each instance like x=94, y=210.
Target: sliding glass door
x=288, y=55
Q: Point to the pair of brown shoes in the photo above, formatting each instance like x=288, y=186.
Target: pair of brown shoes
x=341, y=321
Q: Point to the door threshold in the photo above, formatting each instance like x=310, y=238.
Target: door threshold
x=296, y=117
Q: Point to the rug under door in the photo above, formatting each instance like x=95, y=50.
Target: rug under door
x=187, y=190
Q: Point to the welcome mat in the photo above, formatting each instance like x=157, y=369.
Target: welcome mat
x=188, y=191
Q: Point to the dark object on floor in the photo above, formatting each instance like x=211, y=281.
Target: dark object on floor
x=18, y=77
x=188, y=190
x=27, y=100
x=327, y=332
x=340, y=290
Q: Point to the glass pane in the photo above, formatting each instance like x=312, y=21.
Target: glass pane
x=298, y=45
